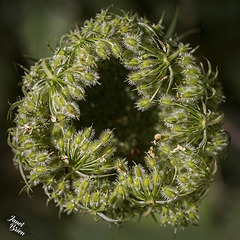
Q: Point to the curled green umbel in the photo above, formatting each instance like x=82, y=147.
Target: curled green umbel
x=120, y=122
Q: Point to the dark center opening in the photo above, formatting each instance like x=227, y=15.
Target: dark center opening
x=111, y=105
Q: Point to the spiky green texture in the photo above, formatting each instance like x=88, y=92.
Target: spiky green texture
x=176, y=113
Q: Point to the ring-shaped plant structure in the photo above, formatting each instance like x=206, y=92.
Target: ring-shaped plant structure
x=165, y=154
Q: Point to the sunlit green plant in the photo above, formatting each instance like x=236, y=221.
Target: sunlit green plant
x=156, y=157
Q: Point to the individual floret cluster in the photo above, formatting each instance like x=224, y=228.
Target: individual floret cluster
x=81, y=172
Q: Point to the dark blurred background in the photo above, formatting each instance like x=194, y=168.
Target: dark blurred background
x=26, y=26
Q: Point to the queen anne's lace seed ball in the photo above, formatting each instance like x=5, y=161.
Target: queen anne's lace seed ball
x=117, y=177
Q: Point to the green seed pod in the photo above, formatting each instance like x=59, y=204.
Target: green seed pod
x=170, y=120
x=105, y=137
x=88, y=133
x=22, y=119
x=90, y=78
x=136, y=183
x=185, y=183
x=58, y=101
x=29, y=79
x=97, y=27
x=164, y=220
x=113, y=199
x=49, y=180
x=135, y=78
x=144, y=89
x=146, y=63
x=121, y=178
x=28, y=145
x=189, y=93
x=147, y=182
x=121, y=190
x=133, y=63
x=76, y=92
x=85, y=184
x=30, y=105
x=42, y=157
x=169, y=192
x=57, y=131
x=138, y=172
x=102, y=49
x=165, y=148
x=60, y=143
x=104, y=200
x=69, y=132
x=220, y=140
x=190, y=164
x=95, y=198
x=86, y=199
x=94, y=146
x=125, y=28
x=33, y=154
x=180, y=115
x=61, y=186
x=116, y=50
x=85, y=145
x=130, y=179
x=191, y=71
x=34, y=178
x=186, y=60
x=156, y=178
x=116, y=22
x=211, y=149
x=131, y=41
x=216, y=117
x=178, y=128
x=191, y=81
x=166, y=100
x=40, y=169
x=191, y=211
x=106, y=28
x=65, y=92
x=78, y=138
x=109, y=150
x=151, y=162
x=70, y=206
x=72, y=110
x=77, y=185
x=23, y=138
x=144, y=103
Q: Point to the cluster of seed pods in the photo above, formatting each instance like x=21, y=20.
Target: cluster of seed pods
x=79, y=171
